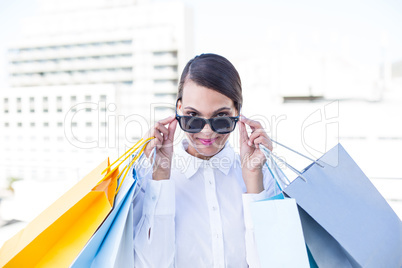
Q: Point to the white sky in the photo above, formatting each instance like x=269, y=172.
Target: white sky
x=234, y=27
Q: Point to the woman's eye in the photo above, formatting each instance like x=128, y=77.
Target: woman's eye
x=221, y=114
x=191, y=114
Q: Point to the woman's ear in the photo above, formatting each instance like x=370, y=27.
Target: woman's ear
x=178, y=104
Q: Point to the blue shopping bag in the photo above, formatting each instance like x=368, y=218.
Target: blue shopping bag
x=346, y=222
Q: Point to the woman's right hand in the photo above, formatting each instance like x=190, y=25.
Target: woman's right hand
x=163, y=142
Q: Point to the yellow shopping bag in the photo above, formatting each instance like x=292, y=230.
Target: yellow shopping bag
x=58, y=234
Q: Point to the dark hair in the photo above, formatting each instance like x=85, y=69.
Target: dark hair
x=214, y=72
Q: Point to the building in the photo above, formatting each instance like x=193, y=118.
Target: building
x=87, y=80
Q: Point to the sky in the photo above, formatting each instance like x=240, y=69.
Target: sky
x=364, y=31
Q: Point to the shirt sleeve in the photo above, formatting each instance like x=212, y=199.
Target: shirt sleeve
x=270, y=189
x=154, y=232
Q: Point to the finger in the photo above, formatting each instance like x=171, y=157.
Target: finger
x=167, y=120
x=171, y=130
x=243, y=133
x=260, y=140
x=264, y=141
x=157, y=142
x=252, y=123
x=161, y=128
x=257, y=133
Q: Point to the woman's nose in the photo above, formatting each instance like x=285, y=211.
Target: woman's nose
x=207, y=129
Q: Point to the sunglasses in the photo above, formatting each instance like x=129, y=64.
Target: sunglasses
x=194, y=124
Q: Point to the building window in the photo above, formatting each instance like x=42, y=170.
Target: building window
x=6, y=111
x=103, y=124
x=60, y=138
x=45, y=110
x=73, y=98
x=59, y=124
x=59, y=110
x=5, y=100
x=59, y=98
x=45, y=99
x=6, y=124
x=32, y=124
x=88, y=110
x=45, y=124
x=88, y=124
x=88, y=98
x=31, y=99
x=74, y=124
x=18, y=110
x=32, y=110
x=19, y=124
x=102, y=97
x=18, y=100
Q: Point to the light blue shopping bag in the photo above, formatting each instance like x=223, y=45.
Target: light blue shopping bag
x=277, y=228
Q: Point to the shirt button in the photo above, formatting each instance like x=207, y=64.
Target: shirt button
x=214, y=208
x=153, y=198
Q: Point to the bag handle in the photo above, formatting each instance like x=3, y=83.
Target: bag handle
x=296, y=152
x=132, y=162
x=268, y=153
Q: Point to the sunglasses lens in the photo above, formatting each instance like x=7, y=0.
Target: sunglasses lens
x=223, y=124
x=192, y=124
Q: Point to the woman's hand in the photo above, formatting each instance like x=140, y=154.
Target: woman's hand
x=252, y=158
x=163, y=142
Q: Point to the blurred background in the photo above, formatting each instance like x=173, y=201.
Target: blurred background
x=83, y=80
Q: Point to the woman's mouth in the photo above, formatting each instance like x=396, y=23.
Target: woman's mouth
x=207, y=141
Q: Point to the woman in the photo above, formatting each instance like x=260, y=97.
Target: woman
x=194, y=209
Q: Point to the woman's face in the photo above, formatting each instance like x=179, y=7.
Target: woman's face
x=207, y=103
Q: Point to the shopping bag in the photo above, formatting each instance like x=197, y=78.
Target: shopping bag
x=112, y=244
x=101, y=249
x=346, y=222
x=58, y=234
x=277, y=227
x=278, y=233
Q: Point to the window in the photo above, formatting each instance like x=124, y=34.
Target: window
x=74, y=124
x=59, y=110
x=19, y=110
x=88, y=98
x=45, y=124
x=32, y=110
x=32, y=124
x=19, y=124
x=45, y=99
x=5, y=100
x=6, y=111
x=103, y=124
x=18, y=100
x=102, y=97
x=59, y=98
x=88, y=124
x=45, y=110
x=6, y=124
x=88, y=110
x=31, y=99
x=59, y=124
x=73, y=98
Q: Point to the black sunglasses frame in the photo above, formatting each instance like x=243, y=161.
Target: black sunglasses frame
x=209, y=121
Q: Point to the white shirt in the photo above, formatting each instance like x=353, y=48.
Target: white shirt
x=198, y=218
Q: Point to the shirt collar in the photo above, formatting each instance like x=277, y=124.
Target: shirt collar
x=189, y=164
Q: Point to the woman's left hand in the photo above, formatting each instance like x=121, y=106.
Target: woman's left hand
x=252, y=158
